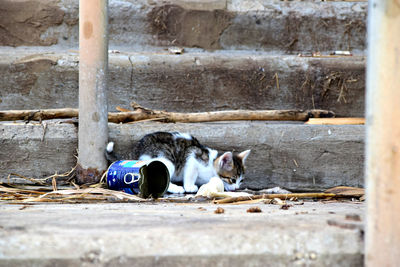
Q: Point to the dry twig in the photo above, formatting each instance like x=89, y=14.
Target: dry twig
x=16, y=195
x=272, y=196
x=42, y=181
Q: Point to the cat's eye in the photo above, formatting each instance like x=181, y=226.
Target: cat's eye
x=233, y=181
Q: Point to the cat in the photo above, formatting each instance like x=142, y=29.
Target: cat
x=188, y=161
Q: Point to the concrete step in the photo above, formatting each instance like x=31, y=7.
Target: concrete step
x=266, y=25
x=294, y=156
x=36, y=78
x=167, y=234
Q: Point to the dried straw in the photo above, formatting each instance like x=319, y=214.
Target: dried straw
x=17, y=195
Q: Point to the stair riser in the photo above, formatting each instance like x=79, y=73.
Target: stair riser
x=194, y=82
x=297, y=157
x=287, y=27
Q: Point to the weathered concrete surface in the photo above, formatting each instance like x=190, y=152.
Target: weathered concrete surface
x=294, y=156
x=190, y=82
x=35, y=150
x=273, y=25
x=24, y=22
x=313, y=234
x=267, y=25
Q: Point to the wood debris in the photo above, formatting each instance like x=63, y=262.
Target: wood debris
x=219, y=210
x=44, y=181
x=144, y=114
x=275, y=196
x=86, y=195
x=254, y=201
x=336, y=121
x=340, y=192
x=333, y=54
x=97, y=193
x=254, y=210
x=286, y=206
x=277, y=201
x=347, y=191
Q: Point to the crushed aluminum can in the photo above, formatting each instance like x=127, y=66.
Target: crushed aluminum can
x=145, y=178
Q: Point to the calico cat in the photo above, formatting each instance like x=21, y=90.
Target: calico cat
x=188, y=161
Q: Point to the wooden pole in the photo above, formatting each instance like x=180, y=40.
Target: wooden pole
x=93, y=62
x=383, y=134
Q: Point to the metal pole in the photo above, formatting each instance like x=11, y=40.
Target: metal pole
x=383, y=134
x=93, y=63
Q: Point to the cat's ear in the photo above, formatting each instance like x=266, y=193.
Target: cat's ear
x=226, y=161
x=243, y=155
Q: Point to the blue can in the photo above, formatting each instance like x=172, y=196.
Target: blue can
x=145, y=178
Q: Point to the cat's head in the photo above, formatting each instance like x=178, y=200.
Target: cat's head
x=230, y=168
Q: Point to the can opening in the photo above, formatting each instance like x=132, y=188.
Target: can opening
x=157, y=180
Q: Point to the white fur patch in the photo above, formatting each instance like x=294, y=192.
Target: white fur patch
x=145, y=157
x=175, y=189
x=170, y=167
x=167, y=162
x=182, y=135
x=213, y=154
x=190, y=174
x=231, y=187
x=206, y=172
x=110, y=147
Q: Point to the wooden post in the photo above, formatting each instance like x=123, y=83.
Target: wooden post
x=93, y=63
x=383, y=134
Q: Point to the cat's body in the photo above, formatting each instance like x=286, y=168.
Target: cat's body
x=190, y=162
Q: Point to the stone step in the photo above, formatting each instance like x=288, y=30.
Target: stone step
x=298, y=157
x=266, y=25
x=176, y=234
x=192, y=82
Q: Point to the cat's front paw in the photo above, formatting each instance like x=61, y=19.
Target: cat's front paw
x=191, y=188
x=175, y=189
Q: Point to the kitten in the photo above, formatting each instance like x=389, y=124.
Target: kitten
x=188, y=161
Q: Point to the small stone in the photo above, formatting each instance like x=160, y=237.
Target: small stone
x=254, y=210
x=219, y=210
